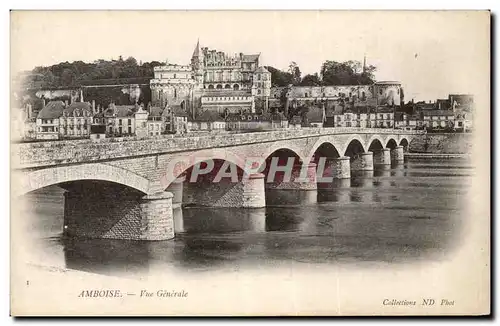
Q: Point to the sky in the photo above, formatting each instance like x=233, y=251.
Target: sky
x=431, y=53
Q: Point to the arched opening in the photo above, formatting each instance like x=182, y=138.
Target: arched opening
x=325, y=150
x=392, y=144
x=66, y=220
x=210, y=197
x=236, y=87
x=361, y=161
x=210, y=86
x=375, y=146
x=227, y=86
x=285, y=180
x=328, y=168
x=405, y=144
x=354, y=149
x=219, y=86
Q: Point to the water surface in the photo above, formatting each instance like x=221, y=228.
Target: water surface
x=394, y=215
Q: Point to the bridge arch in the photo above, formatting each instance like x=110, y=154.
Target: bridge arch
x=391, y=143
x=354, y=147
x=326, y=145
x=405, y=143
x=180, y=164
x=31, y=181
x=274, y=147
x=376, y=144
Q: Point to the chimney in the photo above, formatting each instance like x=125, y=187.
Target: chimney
x=93, y=107
x=81, y=95
x=30, y=111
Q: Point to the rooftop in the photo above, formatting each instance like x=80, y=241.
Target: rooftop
x=53, y=110
x=250, y=57
x=77, y=106
x=438, y=112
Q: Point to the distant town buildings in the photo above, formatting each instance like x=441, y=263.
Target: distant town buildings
x=218, y=91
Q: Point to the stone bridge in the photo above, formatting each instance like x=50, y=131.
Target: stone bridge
x=127, y=188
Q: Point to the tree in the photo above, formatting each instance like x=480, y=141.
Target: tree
x=346, y=73
x=279, y=78
x=310, y=80
x=294, y=70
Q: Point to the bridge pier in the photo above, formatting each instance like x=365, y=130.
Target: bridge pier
x=244, y=193
x=302, y=177
x=398, y=154
x=118, y=216
x=382, y=157
x=363, y=162
x=336, y=168
x=176, y=189
x=254, y=194
x=299, y=189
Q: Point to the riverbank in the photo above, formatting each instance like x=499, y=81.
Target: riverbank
x=437, y=156
x=442, y=143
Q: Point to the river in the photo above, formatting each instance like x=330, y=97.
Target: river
x=398, y=215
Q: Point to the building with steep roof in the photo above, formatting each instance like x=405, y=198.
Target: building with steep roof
x=120, y=120
x=155, y=122
x=214, y=80
x=47, y=120
x=438, y=119
x=208, y=120
x=175, y=117
x=76, y=120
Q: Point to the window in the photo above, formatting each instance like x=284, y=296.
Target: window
x=129, y=129
x=129, y=122
x=258, y=92
x=306, y=95
x=120, y=122
x=175, y=76
x=460, y=123
x=380, y=92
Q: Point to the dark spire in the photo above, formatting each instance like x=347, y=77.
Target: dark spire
x=196, y=52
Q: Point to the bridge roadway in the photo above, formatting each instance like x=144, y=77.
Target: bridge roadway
x=140, y=176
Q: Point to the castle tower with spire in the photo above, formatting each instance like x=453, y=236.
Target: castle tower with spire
x=197, y=63
x=214, y=81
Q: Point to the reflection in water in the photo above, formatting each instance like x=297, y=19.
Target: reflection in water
x=387, y=215
x=289, y=197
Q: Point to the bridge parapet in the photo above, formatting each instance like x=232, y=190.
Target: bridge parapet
x=50, y=153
